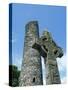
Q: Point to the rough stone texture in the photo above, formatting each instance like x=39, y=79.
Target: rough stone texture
x=31, y=72
x=50, y=51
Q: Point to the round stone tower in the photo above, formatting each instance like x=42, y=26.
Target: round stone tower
x=31, y=71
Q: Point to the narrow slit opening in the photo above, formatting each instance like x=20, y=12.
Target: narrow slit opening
x=34, y=79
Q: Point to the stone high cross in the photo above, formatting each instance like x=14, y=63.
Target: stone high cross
x=49, y=50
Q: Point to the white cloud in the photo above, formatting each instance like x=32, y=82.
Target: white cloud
x=14, y=37
x=13, y=40
x=64, y=80
x=17, y=61
x=62, y=65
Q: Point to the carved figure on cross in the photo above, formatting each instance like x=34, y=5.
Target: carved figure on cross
x=49, y=50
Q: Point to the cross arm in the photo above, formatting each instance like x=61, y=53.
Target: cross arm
x=38, y=46
x=58, y=51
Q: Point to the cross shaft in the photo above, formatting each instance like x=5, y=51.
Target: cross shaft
x=49, y=50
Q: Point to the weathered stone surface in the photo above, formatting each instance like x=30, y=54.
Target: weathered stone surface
x=31, y=72
x=34, y=48
x=50, y=51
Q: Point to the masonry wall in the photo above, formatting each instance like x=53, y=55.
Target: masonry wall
x=31, y=71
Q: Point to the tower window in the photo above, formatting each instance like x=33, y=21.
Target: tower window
x=34, y=79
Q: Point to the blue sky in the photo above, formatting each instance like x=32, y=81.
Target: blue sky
x=51, y=17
